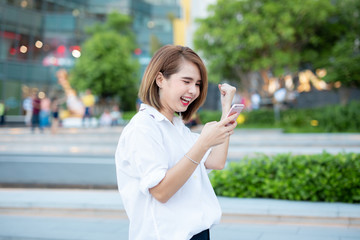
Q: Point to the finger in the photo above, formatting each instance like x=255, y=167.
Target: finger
x=228, y=133
x=222, y=92
x=231, y=125
x=233, y=117
x=229, y=120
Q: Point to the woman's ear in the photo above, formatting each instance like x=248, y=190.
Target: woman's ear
x=159, y=79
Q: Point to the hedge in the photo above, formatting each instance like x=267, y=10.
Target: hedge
x=332, y=118
x=322, y=177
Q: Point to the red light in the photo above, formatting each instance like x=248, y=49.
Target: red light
x=10, y=35
x=61, y=49
x=12, y=51
x=137, y=51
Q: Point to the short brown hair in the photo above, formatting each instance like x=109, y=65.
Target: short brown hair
x=167, y=60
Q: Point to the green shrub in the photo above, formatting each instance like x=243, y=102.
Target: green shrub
x=128, y=115
x=260, y=116
x=321, y=177
x=339, y=118
x=209, y=116
x=333, y=118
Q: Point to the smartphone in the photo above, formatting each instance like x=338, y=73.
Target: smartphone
x=235, y=109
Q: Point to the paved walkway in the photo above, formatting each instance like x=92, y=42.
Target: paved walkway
x=244, y=142
x=69, y=214
x=99, y=214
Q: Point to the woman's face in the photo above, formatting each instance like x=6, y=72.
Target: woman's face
x=179, y=90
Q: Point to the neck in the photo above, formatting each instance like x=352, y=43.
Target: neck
x=168, y=115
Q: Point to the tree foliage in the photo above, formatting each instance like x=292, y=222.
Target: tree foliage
x=278, y=36
x=106, y=65
x=342, y=59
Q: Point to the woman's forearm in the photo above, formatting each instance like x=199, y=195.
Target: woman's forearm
x=177, y=176
x=217, y=158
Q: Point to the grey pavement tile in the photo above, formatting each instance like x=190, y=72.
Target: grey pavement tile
x=355, y=223
x=272, y=236
x=350, y=238
x=349, y=210
x=232, y=232
x=259, y=228
x=60, y=228
x=330, y=231
x=105, y=199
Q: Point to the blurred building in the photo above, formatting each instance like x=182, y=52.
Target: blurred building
x=38, y=37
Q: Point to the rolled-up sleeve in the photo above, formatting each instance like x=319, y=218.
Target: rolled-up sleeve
x=147, y=156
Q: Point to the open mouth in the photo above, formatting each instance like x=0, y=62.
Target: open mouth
x=185, y=101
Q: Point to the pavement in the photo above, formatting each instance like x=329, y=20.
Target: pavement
x=60, y=213
x=26, y=213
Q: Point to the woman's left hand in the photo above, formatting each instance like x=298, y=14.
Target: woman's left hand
x=227, y=94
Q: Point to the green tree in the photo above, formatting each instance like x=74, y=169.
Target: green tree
x=239, y=37
x=106, y=65
x=342, y=31
x=155, y=44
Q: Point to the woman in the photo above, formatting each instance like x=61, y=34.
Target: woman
x=161, y=165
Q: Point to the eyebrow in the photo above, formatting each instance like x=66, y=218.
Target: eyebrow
x=190, y=78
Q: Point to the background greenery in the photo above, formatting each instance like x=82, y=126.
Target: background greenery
x=281, y=37
x=332, y=118
x=321, y=177
x=106, y=65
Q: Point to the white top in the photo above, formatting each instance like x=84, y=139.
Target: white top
x=149, y=146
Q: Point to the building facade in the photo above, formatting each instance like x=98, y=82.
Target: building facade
x=38, y=37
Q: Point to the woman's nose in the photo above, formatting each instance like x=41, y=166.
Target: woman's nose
x=193, y=88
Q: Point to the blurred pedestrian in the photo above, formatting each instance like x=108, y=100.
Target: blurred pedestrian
x=89, y=101
x=27, y=106
x=255, y=100
x=161, y=165
x=44, y=111
x=105, y=118
x=116, y=116
x=54, y=115
x=2, y=113
x=278, y=102
x=291, y=98
x=36, y=107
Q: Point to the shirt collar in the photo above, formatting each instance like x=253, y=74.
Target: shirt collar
x=153, y=112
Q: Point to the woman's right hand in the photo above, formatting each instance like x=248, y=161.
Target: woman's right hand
x=215, y=133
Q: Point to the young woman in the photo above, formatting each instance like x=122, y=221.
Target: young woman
x=161, y=165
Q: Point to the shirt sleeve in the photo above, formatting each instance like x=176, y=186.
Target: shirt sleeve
x=143, y=150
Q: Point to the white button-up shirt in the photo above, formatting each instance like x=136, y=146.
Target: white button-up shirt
x=148, y=147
